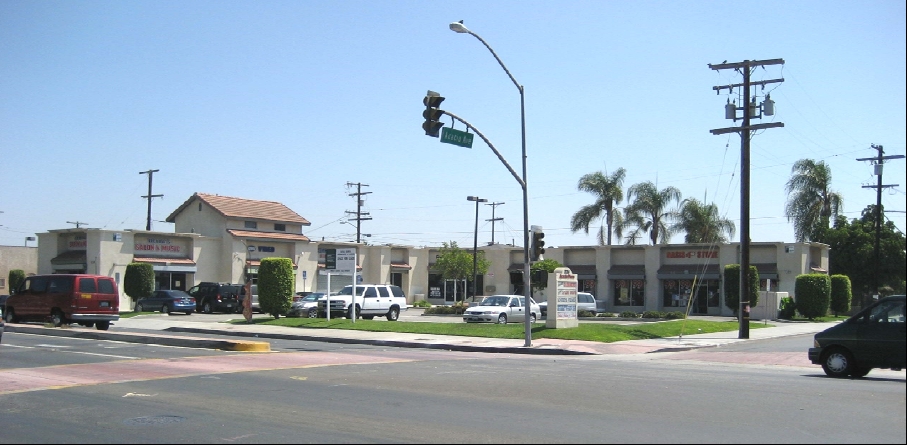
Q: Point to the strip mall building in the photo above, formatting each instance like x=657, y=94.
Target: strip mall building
x=219, y=238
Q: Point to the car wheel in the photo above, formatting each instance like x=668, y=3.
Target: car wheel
x=502, y=319
x=139, y=307
x=393, y=314
x=103, y=325
x=531, y=318
x=206, y=307
x=838, y=363
x=860, y=371
x=10, y=316
x=165, y=309
x=57, y=318
x=313, y=313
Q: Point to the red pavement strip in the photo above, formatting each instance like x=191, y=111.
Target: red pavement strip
x=57, y=377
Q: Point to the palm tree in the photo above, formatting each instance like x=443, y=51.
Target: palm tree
x=810, y=203
x=702, y=223
x=608, y=191
x=648, y=212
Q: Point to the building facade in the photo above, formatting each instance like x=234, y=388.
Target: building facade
x=224, y=239
x=16, y=258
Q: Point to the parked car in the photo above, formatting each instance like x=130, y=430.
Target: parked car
x=215, y=297
x=167, y=301
x=305, y=305
x=873, y=338
x=385, y=300
x=502, y=309
x=242, y=298
x=584, y=302
x=89, y=300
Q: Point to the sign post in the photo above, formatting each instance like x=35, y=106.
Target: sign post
x=562, y=310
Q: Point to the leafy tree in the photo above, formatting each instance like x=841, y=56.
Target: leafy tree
x=852, y=253
x=16, y=277
x=608, y=191
x=813, y=294
x=138, y=281
x=276, y=286
x=732, y=286
x=840, y=294
x=702, y=223
x=811, y=203
x=648, y=212
x=456, y=264
x=548, y=266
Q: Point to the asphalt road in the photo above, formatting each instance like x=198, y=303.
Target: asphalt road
x=108, y=392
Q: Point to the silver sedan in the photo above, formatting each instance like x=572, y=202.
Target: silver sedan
x=502, y=309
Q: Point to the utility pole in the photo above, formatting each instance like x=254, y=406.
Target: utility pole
x=750, y=110
x=879, y=161
x=77, y=223
x=150, y=173
x=359, y=213
x=493, y=205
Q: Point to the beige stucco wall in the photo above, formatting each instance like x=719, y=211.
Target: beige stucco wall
x=16, y=258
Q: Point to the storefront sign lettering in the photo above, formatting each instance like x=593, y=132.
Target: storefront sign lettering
x=692, y=254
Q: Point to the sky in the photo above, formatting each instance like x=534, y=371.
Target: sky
x=292, y=101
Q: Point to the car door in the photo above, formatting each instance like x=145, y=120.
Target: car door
x=384, y=299
x=368, y=300
x=517, y=310
x=883, y=337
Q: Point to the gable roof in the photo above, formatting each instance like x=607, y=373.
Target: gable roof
x=231, y=207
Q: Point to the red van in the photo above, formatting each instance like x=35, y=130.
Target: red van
x=89, y=300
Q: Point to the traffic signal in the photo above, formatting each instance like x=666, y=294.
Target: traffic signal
x=432, y=114
x=538, y=245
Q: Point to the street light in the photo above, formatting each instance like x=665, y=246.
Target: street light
x=527, y=288
x=475, y=244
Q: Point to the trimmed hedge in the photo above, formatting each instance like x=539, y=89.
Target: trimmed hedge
x=841, y=294
x=813, y=294
x=16, y=277
x=138, y=281
x=732, y=286
x=276, y=286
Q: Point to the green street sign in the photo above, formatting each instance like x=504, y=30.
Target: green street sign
x=456, y=137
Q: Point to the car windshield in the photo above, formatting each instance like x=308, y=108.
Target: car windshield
x=496, y=301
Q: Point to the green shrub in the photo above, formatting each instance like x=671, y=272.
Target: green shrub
x=16, y=277
x=788, y=309
x=675, y=315
x=732, y=286
x=653, y=314
x=276, y=286
x=585, y=313
x=455, y=309
x=607, y=314
x=629, y=314
x=421, y=303
x=813, y=294
x=138, y=281
x=841, y=294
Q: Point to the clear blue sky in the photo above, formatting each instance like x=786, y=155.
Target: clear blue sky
x=289, y=101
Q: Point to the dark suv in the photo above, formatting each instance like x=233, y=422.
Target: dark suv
x=215, y=297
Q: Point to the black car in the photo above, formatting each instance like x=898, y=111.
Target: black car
x=873, y=338
x=216, y=297
x=167, y=301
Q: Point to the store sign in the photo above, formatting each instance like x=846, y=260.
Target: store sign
x=691, y=254
x=78, y=242
x=157, y=245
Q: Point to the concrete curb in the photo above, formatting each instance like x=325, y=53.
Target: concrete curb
x=394, y=343
x=186, y=342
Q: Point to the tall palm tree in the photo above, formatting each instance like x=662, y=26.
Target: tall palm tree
x=811, y=203
x=648, y=212
x=702, y=223
x=608, y=191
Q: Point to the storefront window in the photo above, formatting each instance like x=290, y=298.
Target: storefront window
x=629, y=292
x=677, y=294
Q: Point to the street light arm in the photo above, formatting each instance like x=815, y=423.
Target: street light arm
x=518, y=86
x=495, y=150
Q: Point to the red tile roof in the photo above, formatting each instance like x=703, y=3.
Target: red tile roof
x=231, y=207
x=267, y=235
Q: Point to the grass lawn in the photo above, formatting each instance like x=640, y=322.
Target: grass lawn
x=600, y=332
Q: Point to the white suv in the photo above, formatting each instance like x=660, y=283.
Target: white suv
x=383, y=300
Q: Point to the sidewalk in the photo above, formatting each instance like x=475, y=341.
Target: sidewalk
x=154, y=329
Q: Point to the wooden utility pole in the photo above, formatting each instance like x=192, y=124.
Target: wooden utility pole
x=750, y=110
x=150, y=173
x=879, y=161
x=359, y=213
x=494, y=205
